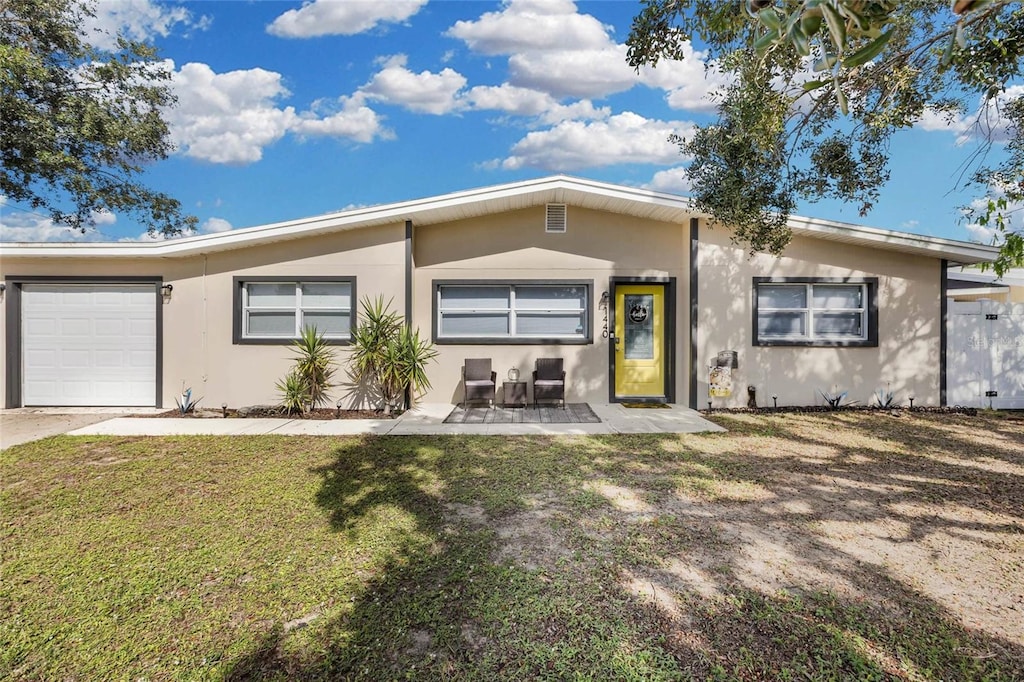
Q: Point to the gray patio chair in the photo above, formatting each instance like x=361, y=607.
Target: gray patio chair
x=479, y=380
x=549, y=380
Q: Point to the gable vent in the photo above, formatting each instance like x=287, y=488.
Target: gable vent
x=555, y=219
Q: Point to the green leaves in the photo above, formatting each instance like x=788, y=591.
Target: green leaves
x=820, y=87
x=80, y=123
x=387, y=354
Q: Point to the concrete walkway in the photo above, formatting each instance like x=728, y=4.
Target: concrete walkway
x=425, y=419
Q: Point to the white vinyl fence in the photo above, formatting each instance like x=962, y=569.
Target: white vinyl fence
x=985, y=355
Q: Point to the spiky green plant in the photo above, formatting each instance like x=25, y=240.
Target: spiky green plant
x=294, y=393
x=388, y=354
x=314, y=365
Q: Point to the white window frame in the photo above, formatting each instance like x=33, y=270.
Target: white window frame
x=298, y=310
x=512, y=311
x=809, y=311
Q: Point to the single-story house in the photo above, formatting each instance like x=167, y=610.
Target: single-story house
x=639, y=294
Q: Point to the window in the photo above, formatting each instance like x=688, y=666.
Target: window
x=512, y=312
x=275, y=309
x=815, y=312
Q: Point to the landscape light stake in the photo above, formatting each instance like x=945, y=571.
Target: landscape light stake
x=709, y=407
x=337, y=412
x=775, y=400
x=224, y=410
x=911, y=402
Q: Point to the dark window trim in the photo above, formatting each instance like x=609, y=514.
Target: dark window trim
x=12, y=301
x=238, y=283
x=588, y=335
x=669, y=284
x=872, y=313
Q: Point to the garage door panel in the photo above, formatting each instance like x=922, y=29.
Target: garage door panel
x=89, y=344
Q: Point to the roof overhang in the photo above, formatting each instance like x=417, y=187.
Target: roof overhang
x=632, y=201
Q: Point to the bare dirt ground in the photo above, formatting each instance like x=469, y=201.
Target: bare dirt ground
x=867, y=511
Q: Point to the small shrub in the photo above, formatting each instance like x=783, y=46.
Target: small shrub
x=388, y=354
x=294, y=393
x=305, y=387
x=885, y=399
x=185, y=403
x=835, y=399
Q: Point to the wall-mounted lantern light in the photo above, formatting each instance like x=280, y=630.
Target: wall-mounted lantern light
x=166, y=290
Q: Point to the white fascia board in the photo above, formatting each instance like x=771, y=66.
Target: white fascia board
x=977, y=291
x=432, y=209
x=936, y=247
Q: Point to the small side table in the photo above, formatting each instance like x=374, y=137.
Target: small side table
x=513, y=393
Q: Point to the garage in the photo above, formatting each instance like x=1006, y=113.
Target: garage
x=89, y=343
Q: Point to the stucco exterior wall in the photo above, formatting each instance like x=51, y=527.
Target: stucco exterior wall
x=197, y=318
x=906, y=359
x=514, y=246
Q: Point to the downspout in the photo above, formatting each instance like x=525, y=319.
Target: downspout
x=206, y=325
x=694, y=309
x=408, y=294
x=943, y=329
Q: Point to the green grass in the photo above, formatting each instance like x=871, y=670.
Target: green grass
x=472, y=558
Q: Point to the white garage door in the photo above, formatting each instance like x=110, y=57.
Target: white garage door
x=88, y=344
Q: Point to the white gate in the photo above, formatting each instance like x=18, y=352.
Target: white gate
x=985, y=355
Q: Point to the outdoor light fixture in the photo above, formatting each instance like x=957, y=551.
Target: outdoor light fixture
x=337, y=413
x=604, y=299
x=166, y=290
x=775, y=399
x=224, y=410
x=3, y=287
x=911, y=402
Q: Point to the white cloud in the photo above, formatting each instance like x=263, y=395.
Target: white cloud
x=574, y=73
x=1013, y=214
x=623, y=138
x=985, y=123
x=231, y=117
x=531, y=25
x=26, y=226
x=674, y=180
x=555, y=49
x=426, y=92
x=689, y=84
x=344, y=117
x=211, y=225
x=528, y=102
x=333, y=17
x=141, y=20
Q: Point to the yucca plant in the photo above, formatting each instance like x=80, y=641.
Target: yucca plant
x=294, y=393
x=389, y=355
x=314, y=365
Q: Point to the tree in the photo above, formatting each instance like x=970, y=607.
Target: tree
x=78, y=123
x=819, y=87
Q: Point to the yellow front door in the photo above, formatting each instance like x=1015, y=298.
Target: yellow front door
x=639, y=341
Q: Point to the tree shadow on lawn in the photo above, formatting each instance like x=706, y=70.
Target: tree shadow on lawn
x=519, y=560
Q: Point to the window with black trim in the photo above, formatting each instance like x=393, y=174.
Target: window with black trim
x=276, y=309
x=512, y=312
x=815, y=312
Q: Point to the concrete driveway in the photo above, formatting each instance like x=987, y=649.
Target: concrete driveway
x=29, y=423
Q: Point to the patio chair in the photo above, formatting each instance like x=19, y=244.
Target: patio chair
x=479, y=380
x=549, y=380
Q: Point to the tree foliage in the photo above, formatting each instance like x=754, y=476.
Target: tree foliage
x=819, y=87
x=79, y=123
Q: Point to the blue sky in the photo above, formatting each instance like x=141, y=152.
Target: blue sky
x=288, y=110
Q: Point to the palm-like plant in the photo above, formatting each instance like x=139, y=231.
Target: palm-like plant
x=388, y=354
x=314, y=368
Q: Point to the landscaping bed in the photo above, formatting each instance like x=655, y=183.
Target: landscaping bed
x=270, y=411
x=848, y=545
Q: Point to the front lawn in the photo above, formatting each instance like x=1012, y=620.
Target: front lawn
x=800, y=546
